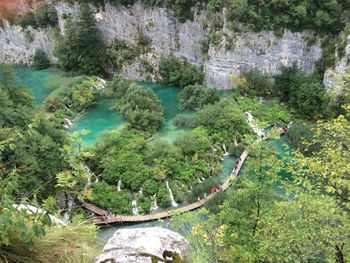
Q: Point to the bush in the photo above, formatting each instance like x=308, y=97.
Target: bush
x=200, y=189
x=257, y=84
x=142, y=108
x=163, y=198
x=40, y=59
x=144, y=205
x=143, y=40
x=150, y=187
x=298, y=134
x=106, y=196
x=179, y=73
x=45, y=16
x=196, y=96
x=185, y=121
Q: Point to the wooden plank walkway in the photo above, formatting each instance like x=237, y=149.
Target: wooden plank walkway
x=161, y=215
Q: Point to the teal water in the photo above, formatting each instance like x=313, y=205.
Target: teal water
x=100, y=118
x=168, y=99
x=40, y=82
x=97, y=120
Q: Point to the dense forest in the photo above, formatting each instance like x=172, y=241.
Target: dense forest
x=291, y=207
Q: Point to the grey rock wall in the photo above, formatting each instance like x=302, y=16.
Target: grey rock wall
x=263, y=51
x=332, y=78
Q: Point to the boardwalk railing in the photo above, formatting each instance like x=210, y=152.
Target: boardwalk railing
x=102, y=219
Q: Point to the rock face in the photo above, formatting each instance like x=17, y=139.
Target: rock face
x=332, y=76
x=138, y=245
x=263, y=50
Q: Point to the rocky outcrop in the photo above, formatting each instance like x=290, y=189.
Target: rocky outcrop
x=18, y=45
x=140, y=244
x=263, y=50
x=332, y=77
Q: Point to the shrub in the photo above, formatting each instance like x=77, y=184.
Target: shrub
x=163, y=198
x=257, y=84
x=196, y=96
x=150, y=187
x=45, y=16
x=200, y=189
x=179, y=73
x=142, y=108
x=40, y=59
x=144, y=205
x=298, y=133
x=185, y=121
x=143, y=40
x=106, y=196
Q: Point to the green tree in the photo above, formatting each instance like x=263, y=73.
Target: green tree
x=40, y=59
x=46, y=15
x=179, y=73
x=142, y=108
x=196, y=96
x=81, y=48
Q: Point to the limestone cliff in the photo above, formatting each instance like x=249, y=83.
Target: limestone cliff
x=263, y=50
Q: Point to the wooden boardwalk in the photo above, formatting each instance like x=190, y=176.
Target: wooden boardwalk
x=161, y=215
x=165, y=214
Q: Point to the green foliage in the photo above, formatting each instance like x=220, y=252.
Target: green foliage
x=16, y=102
x=298, y=133
x=325, y=17
x=107, y=197
x=141, y=107
x=267, y=114
x=163, y=198
x=46, y=15
x=306, y=95
x=40, y=59
x=196, y=96
x=200, y=189
x=73, y=96
x=81, y=49
x=185, y=121
x=143, y=40
x=224, y=120
x=256, y=84
x=179, y=73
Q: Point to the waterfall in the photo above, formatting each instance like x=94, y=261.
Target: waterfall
x=259, y=132
x=235, y=142
x=140, y=192
x=67, y=123
x=135, y=210
x=67, y=213
x=226, y=153
x=88, y=173
x=154, y=205
x=173, y=203
x=119, y=185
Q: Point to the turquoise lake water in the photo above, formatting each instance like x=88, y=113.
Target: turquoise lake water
x=40, y=82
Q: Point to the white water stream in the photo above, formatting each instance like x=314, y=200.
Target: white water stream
x=258, y=131
x=135, y=210
x=173, y=203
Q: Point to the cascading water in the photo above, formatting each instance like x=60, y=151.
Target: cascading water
x=226, y=153
x=67, y=213
x=135, y=210
x=119, y=185
x=173, y=203
x=67, y=123
x=258, y=131
x=154, y=205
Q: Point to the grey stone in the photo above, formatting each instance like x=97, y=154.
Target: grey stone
x=132, y=245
